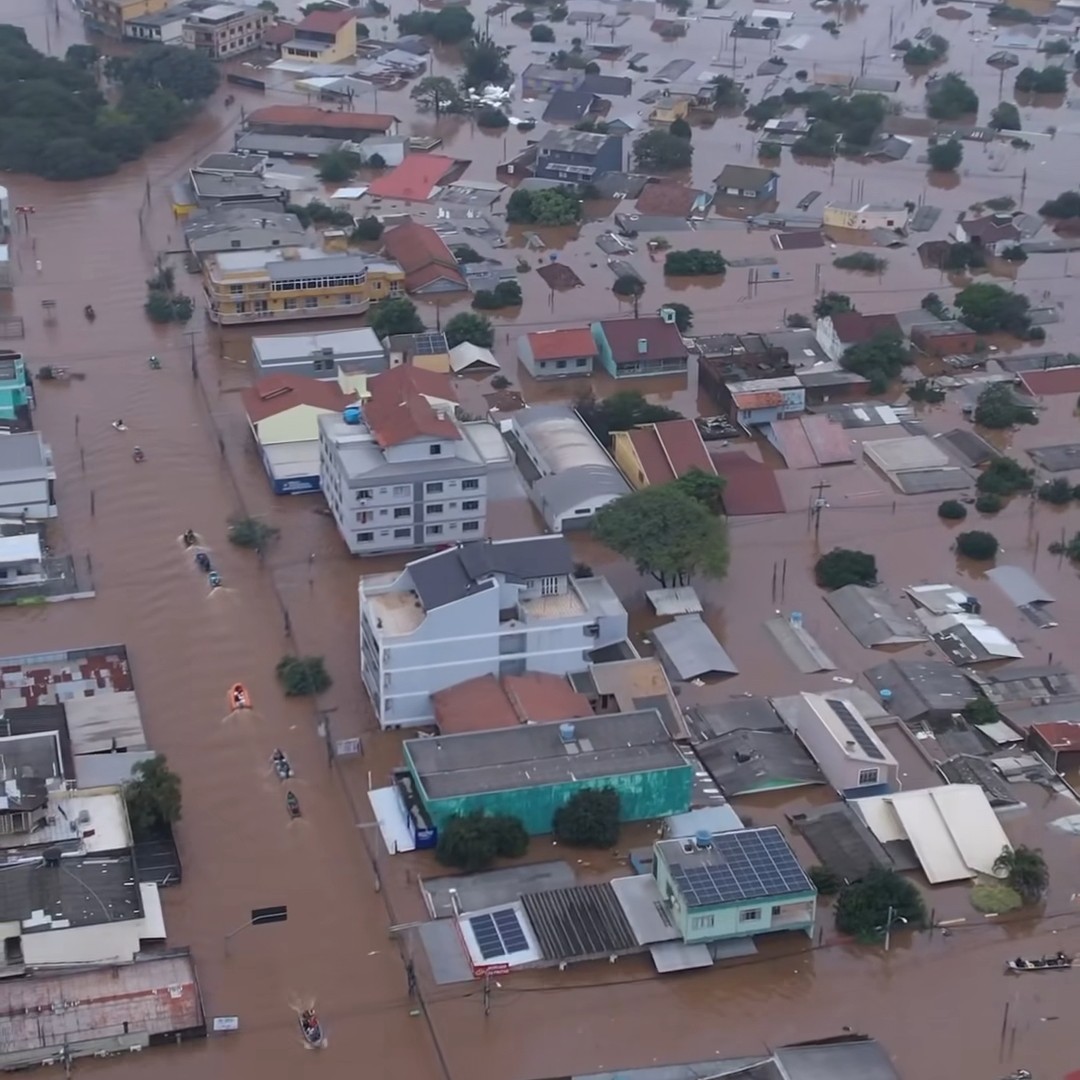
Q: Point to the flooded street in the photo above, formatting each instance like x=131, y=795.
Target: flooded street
x=937, y=1002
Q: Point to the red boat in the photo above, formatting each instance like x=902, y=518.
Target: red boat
x=239, y=698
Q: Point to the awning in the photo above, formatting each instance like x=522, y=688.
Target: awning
x=678, y=956
x=393, y=824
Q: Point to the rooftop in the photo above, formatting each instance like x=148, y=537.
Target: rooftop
x=422, y=254
x=276, y=394
x=85, y=821
x=668, y=199
x=744, y=176
x=536, y=755
x=398, y=409
x=569, y=141
x=562, y=344
x=852, y=327
x=307, y=116
x=646, y=338
x=742, y=761
x=1060, y=736
x=579, y=923
x=358, y=341
x=326, y=22
x=414, y=180
x=486, y=703
x=670, y=449
x=75, y=892
x=24, y=456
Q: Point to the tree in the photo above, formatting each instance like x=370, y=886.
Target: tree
x=827, y=882
x=492, y=118
x=986, y=308
x=727, y=93
x=1005, y=117
x=472, y=842
x=1004, y=476
x=448, y=26
x=661, y=151
x=1025, y=870
x=1066, y=205
x=950, y=97
x=843, y=566
x=694, y=263
x=864, y=908
x=1057, y=492
x=666, y=533
x=267, y=5
x=485, y=63
x=542, y=32
x=622, y=411
x=684, y=317
x=1051, y=80
x=832, y=303
x=159, y=306
x=437, y=94
x=988, y=503
x=252, y=533
x=505, y=294
x=302, y=676
x=368, y=228
x=933, y=303
x=981, y=711
x=881, y=359
x=628, y=286
x=952, y=510
x=589, y=818
x=706, y=488
x=336, y=166
x=476, y=329
x=997, y=409
x=769, y=151
x=963, y=256
x=550, y=206
x=946, y=156
x=188, y=75
x=863, y=261
x=395, y=316
x=977, y=545
x=82, y=56
x=680, y=128
x=153, y=796
x=929, y=52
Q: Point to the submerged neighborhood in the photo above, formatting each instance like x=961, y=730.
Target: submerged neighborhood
x=566, y=516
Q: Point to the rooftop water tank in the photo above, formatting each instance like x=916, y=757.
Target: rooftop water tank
x=352, y=415
x=703, y=839
x=567, y=733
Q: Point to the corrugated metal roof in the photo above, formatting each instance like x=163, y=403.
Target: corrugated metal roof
x=1019, y=585
x=690, y=649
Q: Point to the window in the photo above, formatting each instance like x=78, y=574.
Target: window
x=580, y=362
x=549, y=586
x=470, y=485
x=402, y=511
x=470, y=526
x=702, y=922
x=311, y=301
x=435, y=449
x=364, y=516
x=471, y=504
x=402, y=490
x=434, y=508
x=433, y=488
x=363, y=493
x=560, y=364
x=400, y=534
x=750, y=916
x=434, y=530
x=777, y=909
x=365, y=537
x=868, y=776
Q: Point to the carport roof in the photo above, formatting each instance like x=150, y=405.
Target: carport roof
x=579, y=923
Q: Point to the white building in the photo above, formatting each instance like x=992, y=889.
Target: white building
x=480, y=608
x=20, y=560
x=26, y=477
x=866, y=217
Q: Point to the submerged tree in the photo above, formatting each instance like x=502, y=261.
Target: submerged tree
x=867, y=908
x=589, y=818
x=1025, y=870
x=152, y=795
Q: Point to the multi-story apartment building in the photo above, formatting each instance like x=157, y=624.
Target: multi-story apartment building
x=224, y=30
x=323, y=37
x=480, y=608
x=400, y=472
x=279, y=284
x=109, y=16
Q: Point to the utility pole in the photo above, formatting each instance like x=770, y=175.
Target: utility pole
x=888, y=927
x=487, y=993
x=818, y=505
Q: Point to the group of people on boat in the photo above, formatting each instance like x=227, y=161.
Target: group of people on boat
x=310, y=1026
x=1059, y=960
x=281, y=764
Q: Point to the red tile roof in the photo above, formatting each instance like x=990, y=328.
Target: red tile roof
x=307, y=116
x=541, y=698
x=414, y=179
x=667, y=199
x=751, y=487
x=853, y=328
x=326, y=22
x=669, y=450
x=757, y=399
x=1060, y=380
x=422, y=254
x=276, y=394
x=399, y=411
x=661, y=339
x=562, y=344
x=479, y=704
x=1059, y=735
x=279, y=33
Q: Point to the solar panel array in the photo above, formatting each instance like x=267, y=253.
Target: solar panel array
x=746, y=865
x=857, y=730
x=499, y=933
x=429, y=344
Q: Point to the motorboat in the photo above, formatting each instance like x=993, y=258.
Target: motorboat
x=282, y=765
x=202, y=561
x=154, y=362
x=215, y=579
x=292, y=804
x=89, y=312
x=191, y=538
x=138, y=456
x=311, y=1028
x=239, y=698
x=1060, y=962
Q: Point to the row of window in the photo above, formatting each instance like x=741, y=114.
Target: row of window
x=405, y=512
x=706, y=922
x=430, y=530
x=581, y=361
x=400, y=491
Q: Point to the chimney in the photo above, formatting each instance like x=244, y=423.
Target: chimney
x=642, y=345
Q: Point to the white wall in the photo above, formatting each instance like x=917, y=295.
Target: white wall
x=104, y=943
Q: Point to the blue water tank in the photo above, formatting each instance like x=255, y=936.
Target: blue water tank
x=567, y=733
x=703, y=838
x=795, y=619
x=352, y=415
x=885, y=695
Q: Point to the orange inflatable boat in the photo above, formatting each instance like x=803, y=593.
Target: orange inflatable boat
x=239, y=698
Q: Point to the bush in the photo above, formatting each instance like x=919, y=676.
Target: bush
x=542, y=32
x=589, y=818
x=998, y=409
x=1056, y=492
x=249, y=532
x=1016, y=254
x=769, y=151
x=472, y=842
x=694, y=263
x=935, y=48
x=368, y=228
x=952, y=510
x=1066, y=205
x=861, y=260
x=153, y=796
x=946, y=156
x=337, y=166
x=1051, y=80
x=863, y=907
x=628, y=285
x=981, y=711
x=465, y=254
x=989, y=503
x=505, y=294
x=550, y=206
x=826, y=881
x=842, y=566
x=977, y=545
x=1024, y=870
x=492, y=119
x=1005, y=117
x=950, y=97
x=302, y=676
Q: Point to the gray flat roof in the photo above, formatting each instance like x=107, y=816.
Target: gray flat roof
x=78, y=892
x=744, y=761
x=872, y=617
x=334, y=265
x=23, y=456
x=534, y=755
x=1019, y=585
x=359, y=341
x=918, y=687
x=864, y=1060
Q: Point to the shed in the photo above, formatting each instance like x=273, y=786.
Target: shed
x=688, y=649
x=468, y=357
x=872, y=617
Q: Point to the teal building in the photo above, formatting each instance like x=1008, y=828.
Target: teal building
x=14, y=387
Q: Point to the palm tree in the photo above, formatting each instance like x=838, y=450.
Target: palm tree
x=1025, y=871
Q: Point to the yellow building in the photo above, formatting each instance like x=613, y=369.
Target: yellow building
x=865, y=217
x=279, y=284
x=109, y=16
x=669, y=109
x=323, y=37
x=659, y=453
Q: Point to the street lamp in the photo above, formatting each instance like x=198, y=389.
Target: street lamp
x=890, y=920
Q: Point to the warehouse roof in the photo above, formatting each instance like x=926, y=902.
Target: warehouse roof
x=536, y=755
x=579, y=923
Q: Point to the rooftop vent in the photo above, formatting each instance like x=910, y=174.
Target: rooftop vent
x=668, y=315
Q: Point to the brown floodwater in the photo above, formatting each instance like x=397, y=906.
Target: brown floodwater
x=936, y=1001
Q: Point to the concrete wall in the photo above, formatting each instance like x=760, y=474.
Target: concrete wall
x=104, y=943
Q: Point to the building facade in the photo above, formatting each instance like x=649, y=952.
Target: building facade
x=484, y=608
x=577, y=156
x=224, y=30
x=281, y=284
x=866, y=217
x=15, y=391
x=26, y=478
x=557, y=354
x=109, y=16
x=747, y=182
x=323, y=356
x=323, y=37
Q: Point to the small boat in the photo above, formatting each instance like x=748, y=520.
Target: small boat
x=215, y=579
x=239, y=698
x=89, y=312
x=1060, y=962
x=154, y=363
x=202, y=561
x=138, y=456
x=292, y=804
x=311, y=1028
x=281, y=764
x=191, y=538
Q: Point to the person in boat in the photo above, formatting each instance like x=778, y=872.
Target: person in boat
x=1020, y=962
x=138, y=454
x=293, y=803
x=190, y=538
x=118, y=424
x=88, y=311
x=278, y=755
x=238, y=698
x=202, y=561
x=1062, y=958
x=215, y=581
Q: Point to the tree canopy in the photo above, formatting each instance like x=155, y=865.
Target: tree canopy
x=661, y=151
x=706, y=488
x=998, y=409
x=832, y=303
x=622, y=411
x=1066, y=205
x=1051, y=80
x=395, y=316
x=843, y=566
x=1005, y=117
x=946, y=156
x=303, y=676
x=684, y=317
x=986, y=308
x=863, y=908
x=437, y=94
x=694, y=262
x=666, y=533
x=472, y=842
x=448, y=25
x=977, y=544
x=467, y=326
x=485, y=63
x=56, y=123
x=881, y=359
x=1025, y=870
x=549, y=206
x=589, y=818
x=153, y=795
x=950, y=97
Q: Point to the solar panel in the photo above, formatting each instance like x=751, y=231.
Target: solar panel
x=745, y=865
x=857, y=730
x=499, y=933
